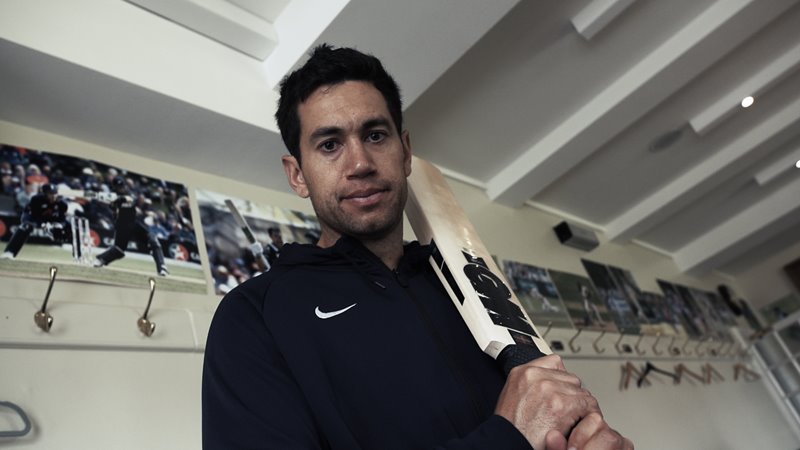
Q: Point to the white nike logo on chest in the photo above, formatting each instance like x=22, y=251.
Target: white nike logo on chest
x=328, y=315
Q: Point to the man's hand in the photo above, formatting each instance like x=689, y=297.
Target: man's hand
x=548, y=405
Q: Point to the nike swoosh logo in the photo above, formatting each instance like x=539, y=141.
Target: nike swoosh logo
x=328, y=315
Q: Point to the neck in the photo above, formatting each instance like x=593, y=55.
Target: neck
x=388, y=248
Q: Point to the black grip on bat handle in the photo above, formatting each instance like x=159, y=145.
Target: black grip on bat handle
x=515, y=355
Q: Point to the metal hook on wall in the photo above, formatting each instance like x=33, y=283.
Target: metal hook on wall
x=655, y=350
x=697, y=348
x=672, y=348
x=725, y=345
x=619, y=341
x=145, y=325
x=594, y=344
x=686, y=351
x=572, y=340
x=42, y=318
x=639, y=341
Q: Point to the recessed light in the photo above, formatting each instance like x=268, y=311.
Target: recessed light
x=797, y=164
x=747, y=101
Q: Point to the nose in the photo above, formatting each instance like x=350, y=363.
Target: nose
x=359, y=160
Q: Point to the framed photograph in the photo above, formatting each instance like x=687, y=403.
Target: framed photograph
x=583, y=302
x=233, y=259
x=96, y=222
x=537, y=293
x=683, y=313
x=615, y=300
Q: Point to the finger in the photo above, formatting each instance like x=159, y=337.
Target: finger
x=554, y=440
x=548, y=362
x=593, y=433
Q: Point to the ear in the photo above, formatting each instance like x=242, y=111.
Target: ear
x=405, y=138
x=294, y=174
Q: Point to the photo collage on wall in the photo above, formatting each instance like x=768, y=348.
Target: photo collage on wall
x=232, y=257
x=537, y=294
x=622, y=311
x=96, y=222
x=583, y=302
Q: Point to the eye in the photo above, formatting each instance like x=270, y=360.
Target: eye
x=329, y=146
x=376, y=136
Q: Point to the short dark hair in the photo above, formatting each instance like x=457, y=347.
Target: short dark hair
x=326, y=66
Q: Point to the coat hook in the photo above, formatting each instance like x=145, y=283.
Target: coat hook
x=145, y=325
x=638, y=350
x=619, y=340
x=594, y=344
x=655, y=344
x=697, y=348
x=549, y=325
x=572, y=340
x=672, y=348
x=43, y=318
x=725, y=346
x=686, y=351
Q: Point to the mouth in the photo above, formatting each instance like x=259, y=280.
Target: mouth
x=365, y=196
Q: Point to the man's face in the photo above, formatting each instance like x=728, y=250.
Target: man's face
x=354, y=162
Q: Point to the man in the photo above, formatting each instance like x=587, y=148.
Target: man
x=352, y=343
x=129, y=222
x=45, y=210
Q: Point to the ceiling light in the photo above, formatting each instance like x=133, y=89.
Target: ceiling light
x=747, y=101
x=797, y=164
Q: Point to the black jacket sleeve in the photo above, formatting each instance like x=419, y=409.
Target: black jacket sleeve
x=248, y=399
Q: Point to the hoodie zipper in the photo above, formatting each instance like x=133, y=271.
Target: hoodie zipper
x=442, y=346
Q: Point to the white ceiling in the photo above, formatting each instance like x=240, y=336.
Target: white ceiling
x=507, y=95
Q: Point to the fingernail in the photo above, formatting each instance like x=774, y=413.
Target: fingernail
x=573, y=448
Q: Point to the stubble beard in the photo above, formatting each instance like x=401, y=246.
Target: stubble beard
x=339, y=222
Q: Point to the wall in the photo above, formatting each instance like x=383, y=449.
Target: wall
x=767, y=281
x=96, y=383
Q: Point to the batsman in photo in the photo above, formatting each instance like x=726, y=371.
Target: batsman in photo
x=244, y=239
x=81, y=215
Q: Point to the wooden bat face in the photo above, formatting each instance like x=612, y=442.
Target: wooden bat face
x=475, y=283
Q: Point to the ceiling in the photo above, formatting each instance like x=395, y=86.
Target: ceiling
x=621, y=115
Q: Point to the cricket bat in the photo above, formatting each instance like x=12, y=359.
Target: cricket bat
x=468, y=272
x=261, y=260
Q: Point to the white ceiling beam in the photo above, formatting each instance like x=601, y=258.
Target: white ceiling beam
x=219, y=20
x=701, y=178
x=758, y=84
x=775, y=213
x=597, y=15
x=784, y=164
x=268, y=10
x=704, y=40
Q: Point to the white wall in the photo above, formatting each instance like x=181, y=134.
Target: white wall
x=95, y=383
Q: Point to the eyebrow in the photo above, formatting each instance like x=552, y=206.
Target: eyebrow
x=334, y=131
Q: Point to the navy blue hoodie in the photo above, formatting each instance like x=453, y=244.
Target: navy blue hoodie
x=395, y=369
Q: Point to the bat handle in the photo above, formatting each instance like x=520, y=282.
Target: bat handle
x=516, y=355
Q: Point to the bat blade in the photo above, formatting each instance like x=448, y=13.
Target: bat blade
x=261, y=260
x=478, y=288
